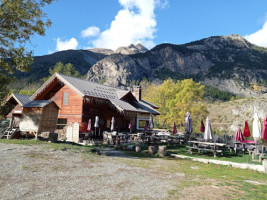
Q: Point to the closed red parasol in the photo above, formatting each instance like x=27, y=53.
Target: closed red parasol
x=264, y=130
x=174, y=128
x=202, y=128
x=246, y=130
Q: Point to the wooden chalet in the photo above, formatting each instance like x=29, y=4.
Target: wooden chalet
x=14, y=107
x=80, y=100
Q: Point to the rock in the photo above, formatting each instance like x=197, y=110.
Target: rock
x=162, y=151
x=151, y=150
x=138, y=148
x=217, y=61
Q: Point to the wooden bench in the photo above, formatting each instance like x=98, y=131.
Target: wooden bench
x=207, y=147
x=259, y=153
x=201, y=149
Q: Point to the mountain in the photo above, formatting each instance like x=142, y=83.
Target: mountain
x=131, y=49
x=82, y=60
x=227, y=116
x=229, y=63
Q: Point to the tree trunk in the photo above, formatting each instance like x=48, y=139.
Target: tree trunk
x=162, y=151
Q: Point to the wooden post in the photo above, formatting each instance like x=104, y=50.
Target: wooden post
x=137, y=148
x=162, y=151
x=264, y=163
x=151, y=150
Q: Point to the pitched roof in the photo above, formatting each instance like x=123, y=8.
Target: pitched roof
x=20, y=98
x=23, y=99
x=37, y=104
x=91, y=89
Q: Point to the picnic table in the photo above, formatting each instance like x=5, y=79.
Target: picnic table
x=207, y=147
x=259, y=153
x=176, y=139
x=243, y=145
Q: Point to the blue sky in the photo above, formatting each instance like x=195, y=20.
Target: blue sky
x=82, y=24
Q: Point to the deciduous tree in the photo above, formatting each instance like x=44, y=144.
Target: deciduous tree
x=19, y=20
x=175, y=99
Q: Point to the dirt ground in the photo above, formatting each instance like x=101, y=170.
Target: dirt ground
x=34, y=172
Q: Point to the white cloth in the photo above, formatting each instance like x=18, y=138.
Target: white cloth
x=96, y=122
x=256, y=131
x=208, y=131
x=112, y=127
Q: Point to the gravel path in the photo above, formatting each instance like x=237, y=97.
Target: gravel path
x=32, y=172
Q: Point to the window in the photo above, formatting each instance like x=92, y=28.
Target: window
x=142, y=123
x=61, y=123
x=65, y=98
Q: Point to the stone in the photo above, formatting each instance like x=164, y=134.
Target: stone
x=162, y=151
x=151, y=150
x=138, y=148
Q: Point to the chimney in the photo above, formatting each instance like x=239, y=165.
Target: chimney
x=137, y=92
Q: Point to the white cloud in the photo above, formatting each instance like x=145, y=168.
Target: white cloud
x=259, y=37
x=91, y=31
x=67, y=44
x=134, y=23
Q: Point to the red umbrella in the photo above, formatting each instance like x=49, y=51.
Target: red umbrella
x=89, y=125
x=246, y=130
x=174, y=128
x=130, y=125
x=145, y=128
x=239, y=135
x=202, y=128
x=264, y=130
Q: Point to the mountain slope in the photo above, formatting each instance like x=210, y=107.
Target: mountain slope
x=82, y=60
x=228, y=61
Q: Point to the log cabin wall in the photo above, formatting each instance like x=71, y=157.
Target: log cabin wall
x=72, y=108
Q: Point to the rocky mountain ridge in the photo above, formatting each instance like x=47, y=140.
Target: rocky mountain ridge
x=131, y=49
x=228, y=63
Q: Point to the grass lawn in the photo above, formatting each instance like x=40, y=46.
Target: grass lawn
x=232, y=157
x=47, y=145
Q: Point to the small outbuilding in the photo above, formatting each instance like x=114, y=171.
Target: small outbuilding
x=39, y=116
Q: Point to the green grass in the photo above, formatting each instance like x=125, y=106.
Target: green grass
x=198, y=174
x=56, y=146
x=232, y=157
x=24, y=142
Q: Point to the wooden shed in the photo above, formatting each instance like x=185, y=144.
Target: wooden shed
x=39, y=116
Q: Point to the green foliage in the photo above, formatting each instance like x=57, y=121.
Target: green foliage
x=66, y=69
x=175, y=99
x=19, y=20
x=27, y=92
x=216, y=94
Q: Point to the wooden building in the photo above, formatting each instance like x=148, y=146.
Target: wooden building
x=80, y=100
x=39, y=116
x=13, y=107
